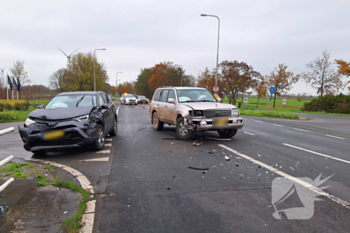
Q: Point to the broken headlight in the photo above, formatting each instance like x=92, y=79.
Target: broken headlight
x=198, y=113
x=28, y=122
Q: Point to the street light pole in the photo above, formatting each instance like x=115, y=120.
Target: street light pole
x=180, y=72
x=217, y=54
x=116, y=79
x=95, y=68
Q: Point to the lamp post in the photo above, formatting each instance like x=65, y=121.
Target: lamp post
x=217, y=54
x=180, y=72
x=95, y=68
x=116, y=79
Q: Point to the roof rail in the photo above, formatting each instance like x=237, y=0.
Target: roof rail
x=165, y=86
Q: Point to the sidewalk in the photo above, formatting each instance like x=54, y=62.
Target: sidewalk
x=34, y=208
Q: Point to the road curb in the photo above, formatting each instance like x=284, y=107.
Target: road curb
x=89, y=214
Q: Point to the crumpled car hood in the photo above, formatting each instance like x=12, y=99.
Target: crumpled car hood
x=59, y=114
x=208, y=105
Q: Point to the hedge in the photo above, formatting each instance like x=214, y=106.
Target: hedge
x=330, y=104
x=19, y=105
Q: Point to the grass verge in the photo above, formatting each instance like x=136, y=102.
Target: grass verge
x=281, y=115
x=14, y=116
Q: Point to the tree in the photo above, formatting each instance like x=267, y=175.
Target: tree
x=141, y=85
x=299, y=97
x=322, y=77
x=20, y=73
x=58, y=80
x=282, y=80
x=261, y=89
x=236, y=77
x=344, y=69
x=125, y=87
x=81, y=73
x=160, y=75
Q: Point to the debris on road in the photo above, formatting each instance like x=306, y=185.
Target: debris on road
x=227, y=158
x=199, y=168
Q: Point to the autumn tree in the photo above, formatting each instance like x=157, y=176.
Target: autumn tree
x=261, y=88
x=206, y=79
x=81, y=73
x=322, y=76
x=113, y=90
x=125, y=87
x=57, y=80
x=344, y=69
x=282, y=80
x=235, y=77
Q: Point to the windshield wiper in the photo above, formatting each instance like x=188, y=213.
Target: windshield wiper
x=206, y=101
x=80, y=101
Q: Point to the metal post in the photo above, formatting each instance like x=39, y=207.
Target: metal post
x=217, y=53
x=95, y=68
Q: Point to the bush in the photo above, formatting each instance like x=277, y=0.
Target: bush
x=330, y=104
x=18, y=105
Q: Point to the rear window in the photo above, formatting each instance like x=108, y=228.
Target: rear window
x=156, y=96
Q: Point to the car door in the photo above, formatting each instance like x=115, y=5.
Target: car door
x=170, y=108
x=162, y=104
x=105, y=112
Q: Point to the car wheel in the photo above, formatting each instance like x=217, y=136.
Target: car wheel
x=182, y=132
x=114, y=130
x=99, y=143
x=227, y=133
x=157, y=124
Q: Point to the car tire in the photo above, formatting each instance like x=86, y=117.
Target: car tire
x=99, y=143
x=227, y=133
x=181, y=132
x=157, y=124
x=114, y=130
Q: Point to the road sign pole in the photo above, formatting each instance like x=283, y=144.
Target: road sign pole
x=269, y=103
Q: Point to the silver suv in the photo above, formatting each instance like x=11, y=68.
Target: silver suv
x=193, y=109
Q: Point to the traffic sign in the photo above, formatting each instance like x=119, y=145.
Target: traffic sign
x=284, y=101
x=216, y=89
x=245, y=100
x=272, y=90
x=216, y=96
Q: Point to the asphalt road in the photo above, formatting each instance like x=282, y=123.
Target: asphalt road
x=154, y=188
x=148, y=181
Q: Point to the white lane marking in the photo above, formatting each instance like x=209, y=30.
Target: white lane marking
x=278, y=125
x=259, y=121
x=108, y=144
x=334, y=136
x=316, y=153
x=292, y=178
x=303, y=130
x=103, y=159
x=109, y=139
x=118, y=110
x=103, y=151
x=248, y=133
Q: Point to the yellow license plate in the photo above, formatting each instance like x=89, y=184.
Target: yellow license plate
x=220, y=122
x=53, y=135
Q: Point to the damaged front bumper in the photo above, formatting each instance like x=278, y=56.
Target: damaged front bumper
x=216, y=123
x=72, y=134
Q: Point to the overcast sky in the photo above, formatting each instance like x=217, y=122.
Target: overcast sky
x=140, y=34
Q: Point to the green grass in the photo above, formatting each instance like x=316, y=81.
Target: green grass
x=72, y=225
x=282, y=115
x=39, y=102
x=14, y=169
x=15, y=116
x=290, y=101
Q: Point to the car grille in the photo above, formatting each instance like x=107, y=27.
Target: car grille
x=217, y=113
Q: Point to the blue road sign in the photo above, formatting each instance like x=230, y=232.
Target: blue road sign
x=272, y=90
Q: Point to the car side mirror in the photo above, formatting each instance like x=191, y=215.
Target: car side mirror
x=104, y=106
x=219, y=100
x=171, y=101
x=40, y=107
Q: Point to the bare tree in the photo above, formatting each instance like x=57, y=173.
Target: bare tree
x=322, y=77
x=58, y=81
x=19, y=72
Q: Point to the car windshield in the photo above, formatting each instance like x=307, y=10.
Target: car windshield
x=195, y=95
x=141, y=97
x=129, y=96
x=71, y=101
